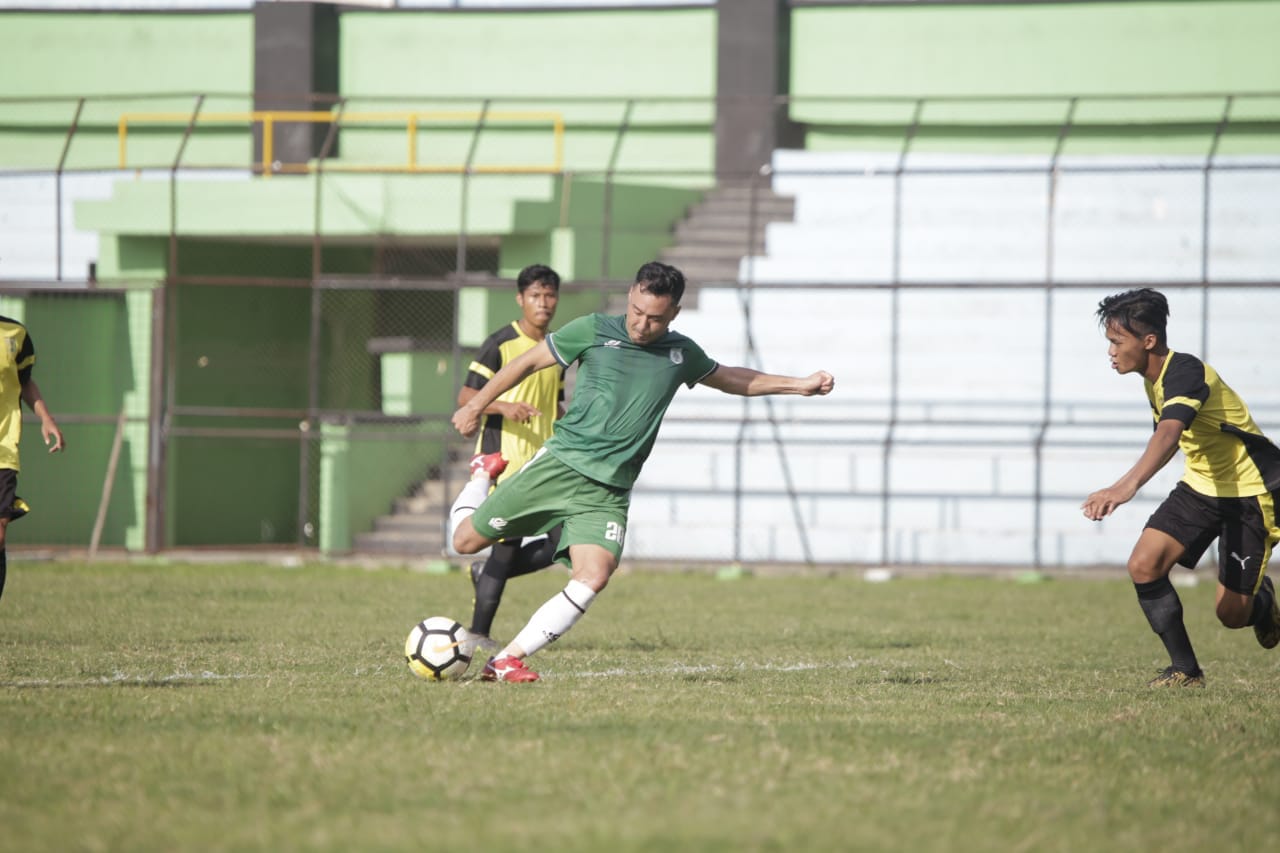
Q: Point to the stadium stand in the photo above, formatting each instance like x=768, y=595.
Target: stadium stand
x=964, y=442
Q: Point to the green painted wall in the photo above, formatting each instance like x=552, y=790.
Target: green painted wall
x=236, y=347
x=348, y=205
x=556, y=61
x=92, y=359
x=255, y=342
x=1058, y=49
x=539, y=216
x=361, y=471
x=114, y=58
x=541, y=55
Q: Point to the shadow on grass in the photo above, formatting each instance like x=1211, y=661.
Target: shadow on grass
x=911, y=679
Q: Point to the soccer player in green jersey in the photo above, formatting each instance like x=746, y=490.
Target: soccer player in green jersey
x=1228, y=492
x=17, y=359
x=629, y=369
x=514, y=428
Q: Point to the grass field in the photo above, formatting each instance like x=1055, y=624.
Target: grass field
x=247, y=707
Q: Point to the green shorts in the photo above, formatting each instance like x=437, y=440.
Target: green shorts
x=546, y=492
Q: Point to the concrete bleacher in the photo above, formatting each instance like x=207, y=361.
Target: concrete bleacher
x=1115, y=219
x=971, y=406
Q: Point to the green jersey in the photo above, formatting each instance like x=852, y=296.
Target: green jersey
x=620, y=395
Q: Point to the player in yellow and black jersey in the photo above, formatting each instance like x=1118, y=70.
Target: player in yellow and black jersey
x=513, y=429
x=17, y=359
x=1229, y=491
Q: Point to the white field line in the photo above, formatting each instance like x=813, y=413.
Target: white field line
x=125, y=678
x=710, y=669
x=615, y=672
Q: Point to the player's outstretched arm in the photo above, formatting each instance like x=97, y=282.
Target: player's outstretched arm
x=467, y=418
x=746, y=382
x=1160, y=449
x=48, y=426
x=517, y=411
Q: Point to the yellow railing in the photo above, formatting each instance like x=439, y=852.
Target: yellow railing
x=413, y=121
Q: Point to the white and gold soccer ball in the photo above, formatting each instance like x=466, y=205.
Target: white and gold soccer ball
x=439, y=649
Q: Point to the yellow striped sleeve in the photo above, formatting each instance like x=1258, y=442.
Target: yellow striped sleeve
x=478, y=368
x=1190, y=402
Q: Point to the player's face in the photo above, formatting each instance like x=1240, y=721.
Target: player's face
x=648, y=316
x=538, y=302
x=1129, y=353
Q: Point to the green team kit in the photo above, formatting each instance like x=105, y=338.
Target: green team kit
x=584, y=474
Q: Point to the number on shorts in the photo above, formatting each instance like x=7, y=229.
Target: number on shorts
x=614, y=532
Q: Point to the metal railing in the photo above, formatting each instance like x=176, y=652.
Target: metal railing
x=893, y=423
x=413, y=123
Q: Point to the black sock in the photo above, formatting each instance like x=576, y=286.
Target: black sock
x=493, y=580
x=4, y=569
x=509, y=560
x=1261, y=605
x=1163, y=608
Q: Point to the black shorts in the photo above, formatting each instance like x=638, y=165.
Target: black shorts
x=1244, y=527
x=11, y=506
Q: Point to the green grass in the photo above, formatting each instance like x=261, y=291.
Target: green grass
x=164, y=707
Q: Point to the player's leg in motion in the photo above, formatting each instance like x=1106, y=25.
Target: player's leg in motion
x=592, y=567
x=11, y=507
x=489, y=580
x=4, y=562
x=1246, y=594
x=1265, y=617
x=508, y=560
x=484, y=469
x=1149, y=566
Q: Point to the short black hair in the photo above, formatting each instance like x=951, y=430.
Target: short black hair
x=1140, y=312
x=661, y=280
x=535, y=273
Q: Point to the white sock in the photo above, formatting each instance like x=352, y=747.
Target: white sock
x=471, y=496
x=554, y=618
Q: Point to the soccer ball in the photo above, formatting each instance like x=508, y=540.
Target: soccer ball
x=439, y=649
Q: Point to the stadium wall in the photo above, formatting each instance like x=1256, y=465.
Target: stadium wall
x=583, y=64
x=956, y=55
x=93, y=363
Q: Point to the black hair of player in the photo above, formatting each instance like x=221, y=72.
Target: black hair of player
x=661, y=280
x=1140, y=312
x=538, y=274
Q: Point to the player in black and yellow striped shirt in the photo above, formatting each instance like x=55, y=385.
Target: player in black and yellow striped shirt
x=1228, y=492
x=515, y=425
x=17, y=359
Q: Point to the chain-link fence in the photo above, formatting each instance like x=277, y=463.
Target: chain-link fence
x=292, y=387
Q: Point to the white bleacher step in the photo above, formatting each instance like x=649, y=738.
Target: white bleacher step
x=721, y=234
x=702, y=252
x=410, y=522
x=761, y=209
x=415, y=504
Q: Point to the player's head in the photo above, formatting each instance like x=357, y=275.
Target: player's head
x=661, y=280
x=653, y=301
x=538, y=274
x=1134, y=323
x=537, y=293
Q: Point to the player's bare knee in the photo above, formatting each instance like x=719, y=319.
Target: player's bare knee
x=595, y=579
x=467, y=541
x=1232, y=614
x=1143, y=570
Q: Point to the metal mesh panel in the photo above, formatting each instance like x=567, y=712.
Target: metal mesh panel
x=301, y=384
